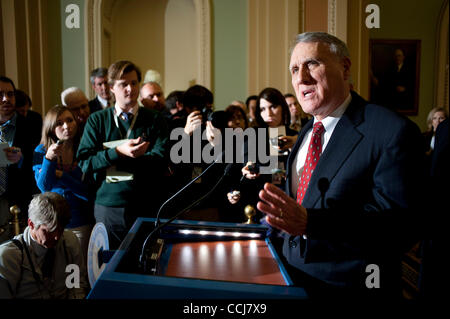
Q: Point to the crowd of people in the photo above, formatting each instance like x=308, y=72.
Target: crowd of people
x=110, y=160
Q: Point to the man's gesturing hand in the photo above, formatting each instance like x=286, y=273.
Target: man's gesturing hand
x=282, y=211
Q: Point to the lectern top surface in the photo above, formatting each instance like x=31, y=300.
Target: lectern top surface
x=247, y=261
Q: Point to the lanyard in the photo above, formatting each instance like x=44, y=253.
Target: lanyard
x=116, y=120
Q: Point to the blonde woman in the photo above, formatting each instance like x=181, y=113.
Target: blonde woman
x=435, y=117
x=56, y=170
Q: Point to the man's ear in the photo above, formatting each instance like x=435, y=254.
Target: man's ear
x=346, y=63
x=30, y=224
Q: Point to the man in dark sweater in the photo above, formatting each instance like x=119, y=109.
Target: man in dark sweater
x=124, y=149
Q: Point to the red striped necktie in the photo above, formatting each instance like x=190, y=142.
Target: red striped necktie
x=314, y=152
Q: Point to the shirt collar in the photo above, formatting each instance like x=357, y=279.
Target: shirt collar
x=334, y=117
x=119, y=111
x=12, y=121
x=102, y=100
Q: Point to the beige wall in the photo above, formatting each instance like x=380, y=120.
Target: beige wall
x=316, y=15
x=171, y=37
x=31, y=49
x=138, y=33
x=273, y=25
x=180, y=46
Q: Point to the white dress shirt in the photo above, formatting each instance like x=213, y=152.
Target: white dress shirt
x=103, y=102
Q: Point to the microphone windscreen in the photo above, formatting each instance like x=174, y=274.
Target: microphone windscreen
x=323, y=184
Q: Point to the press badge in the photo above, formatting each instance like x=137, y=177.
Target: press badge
x=112, y=174
x=115, y=176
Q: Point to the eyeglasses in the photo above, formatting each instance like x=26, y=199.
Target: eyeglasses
x=9, y=94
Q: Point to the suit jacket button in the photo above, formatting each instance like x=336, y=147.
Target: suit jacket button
x=292, y=243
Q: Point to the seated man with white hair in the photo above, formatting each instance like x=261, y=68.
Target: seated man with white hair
x=75, y=99
x=33, y=265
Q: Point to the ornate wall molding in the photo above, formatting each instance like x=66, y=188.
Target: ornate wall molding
x=338, y=18
x=441, y=95
x=93, y=38
x=301, y=16
x=272, y=25
x=332, y=12
x=203, y=14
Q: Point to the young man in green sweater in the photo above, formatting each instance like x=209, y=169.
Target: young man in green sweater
x=124, y=148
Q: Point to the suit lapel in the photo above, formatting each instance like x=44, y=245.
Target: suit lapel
x=336, y=152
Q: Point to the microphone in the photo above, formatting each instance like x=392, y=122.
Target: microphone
x=186, y=186
x=59, y=142
x=323, y=185
x=158, y=227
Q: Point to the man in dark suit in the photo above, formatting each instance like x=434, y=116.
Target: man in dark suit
x=23, y=107
x=103, y=98
x=16, y=177
x=353, y=174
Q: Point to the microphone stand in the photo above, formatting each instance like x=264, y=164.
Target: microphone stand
x=142, y=256
x=184, y=187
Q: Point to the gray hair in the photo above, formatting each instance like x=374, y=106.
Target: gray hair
x=336, y=46
x=70, y=93
x=98, y=73
x=50, y=209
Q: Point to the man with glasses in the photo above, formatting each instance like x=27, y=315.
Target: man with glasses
x=16, y=175
x=77, y=102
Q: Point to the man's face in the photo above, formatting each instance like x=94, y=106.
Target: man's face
x=152, y=97
x=23, y=110
x=43, y=236
x=79, y=106
x=319, y=78
x=252, y=108
x=7, y=99
x=294, y=107
x=101, y=88
x=399, y=56
x=126, y=90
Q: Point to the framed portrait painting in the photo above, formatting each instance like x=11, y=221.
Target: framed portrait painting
x=394, y=74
